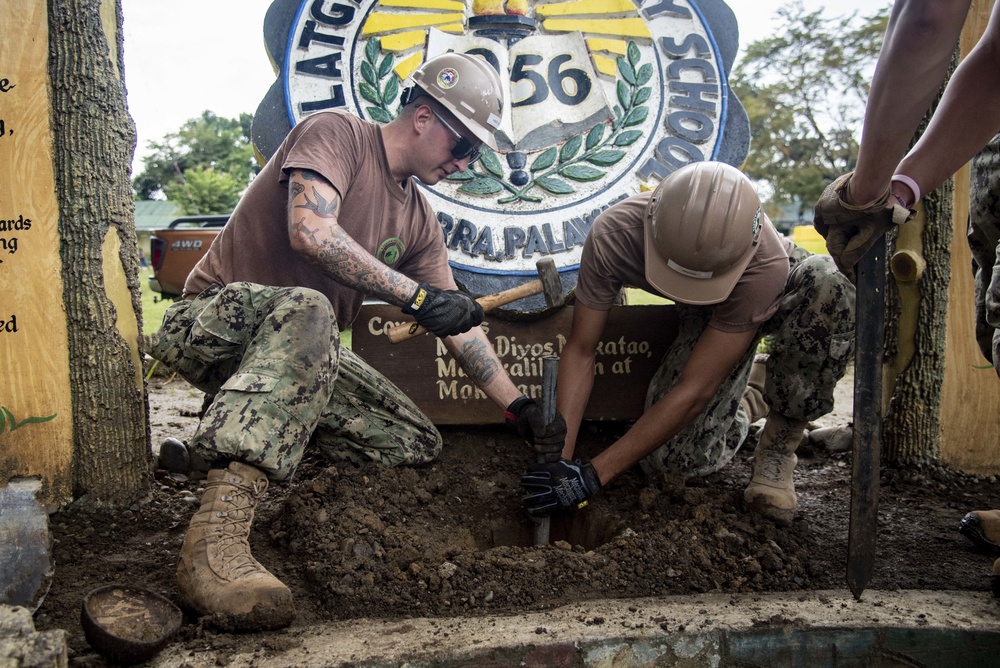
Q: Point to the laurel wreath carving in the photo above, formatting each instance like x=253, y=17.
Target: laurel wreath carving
x=374, y=71
x=580, y=159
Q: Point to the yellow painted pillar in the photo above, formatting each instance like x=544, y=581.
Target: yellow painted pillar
x=36, y=430
x=970, y=402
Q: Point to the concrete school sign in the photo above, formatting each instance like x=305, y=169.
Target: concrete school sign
x=606, y=98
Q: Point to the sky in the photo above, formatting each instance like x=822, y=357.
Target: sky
x=209, y=54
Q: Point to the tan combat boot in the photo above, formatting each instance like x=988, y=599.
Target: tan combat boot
x=982, y=527
x=771, y=491
x=753, y=397
x=216, y=573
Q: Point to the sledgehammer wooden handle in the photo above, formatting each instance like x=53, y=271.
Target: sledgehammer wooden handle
x=409, y=330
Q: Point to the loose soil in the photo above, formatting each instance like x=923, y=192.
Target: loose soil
x=452, y=539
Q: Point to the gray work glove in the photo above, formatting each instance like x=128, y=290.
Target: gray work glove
x=561, y=485
x=444, y=312
x=850, y=231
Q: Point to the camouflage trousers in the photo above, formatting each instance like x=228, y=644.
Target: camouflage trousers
x=810, y=342
x=984, y=241
x=281, y=380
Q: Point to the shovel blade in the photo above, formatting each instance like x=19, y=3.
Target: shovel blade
x=867, y=445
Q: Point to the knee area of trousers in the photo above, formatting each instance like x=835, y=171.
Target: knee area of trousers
x=818, y=268
x=307, y=306
x=309, y=298
x=820, y=279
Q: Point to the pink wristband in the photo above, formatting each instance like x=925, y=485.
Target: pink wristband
x=909, y=183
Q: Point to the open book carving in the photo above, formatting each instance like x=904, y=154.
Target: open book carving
x=554, y=91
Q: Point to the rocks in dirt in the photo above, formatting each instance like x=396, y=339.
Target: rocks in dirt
x=22, y=645
x=647, y=497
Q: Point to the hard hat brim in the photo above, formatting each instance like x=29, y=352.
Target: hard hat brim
x=688, y=289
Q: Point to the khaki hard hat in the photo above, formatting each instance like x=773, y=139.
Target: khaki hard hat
x=702, y=227
x=469, y=88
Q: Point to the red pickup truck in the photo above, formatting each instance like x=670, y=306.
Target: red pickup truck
x=175, y=250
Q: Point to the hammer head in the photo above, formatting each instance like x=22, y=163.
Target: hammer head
x=551, y=285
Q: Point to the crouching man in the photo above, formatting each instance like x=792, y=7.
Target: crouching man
x=701, y=240
x=336, y=215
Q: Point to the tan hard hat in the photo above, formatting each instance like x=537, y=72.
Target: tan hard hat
x=702, y=227
x=469, y=88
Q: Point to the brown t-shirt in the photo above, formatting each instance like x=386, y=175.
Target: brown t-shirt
x=614, y=256
x=393, y=223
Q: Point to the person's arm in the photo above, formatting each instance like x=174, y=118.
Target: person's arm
x=712, y=359
x=576, y=370
x=915, y=56
x=965, y=120
x=858, y=208
x=480, y=362
x=313, y=206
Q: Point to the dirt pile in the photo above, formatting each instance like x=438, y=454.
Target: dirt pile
x=452, y=539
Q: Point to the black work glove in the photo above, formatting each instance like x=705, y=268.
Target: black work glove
x=525, y=416
x=562, y=485
x=444, y=312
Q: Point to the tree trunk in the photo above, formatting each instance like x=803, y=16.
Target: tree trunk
x=94, y=139
x=916, y=318
x=915, y=331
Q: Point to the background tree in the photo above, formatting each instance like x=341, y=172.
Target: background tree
x=203, y=167
x=804, y=90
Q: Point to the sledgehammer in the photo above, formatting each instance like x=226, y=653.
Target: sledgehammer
x=547, y=283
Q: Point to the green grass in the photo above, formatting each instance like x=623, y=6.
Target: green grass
x=153, y=307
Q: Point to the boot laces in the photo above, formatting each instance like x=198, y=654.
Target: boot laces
x=233, y=548
x=772, y=463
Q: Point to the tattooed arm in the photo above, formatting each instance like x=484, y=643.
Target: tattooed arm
x=480, y=362
x=313, y=206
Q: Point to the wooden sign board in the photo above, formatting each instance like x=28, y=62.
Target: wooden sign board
x=36, y=429
x=634, y=342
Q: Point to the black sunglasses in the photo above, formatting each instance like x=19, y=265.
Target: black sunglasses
x=464, y=148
